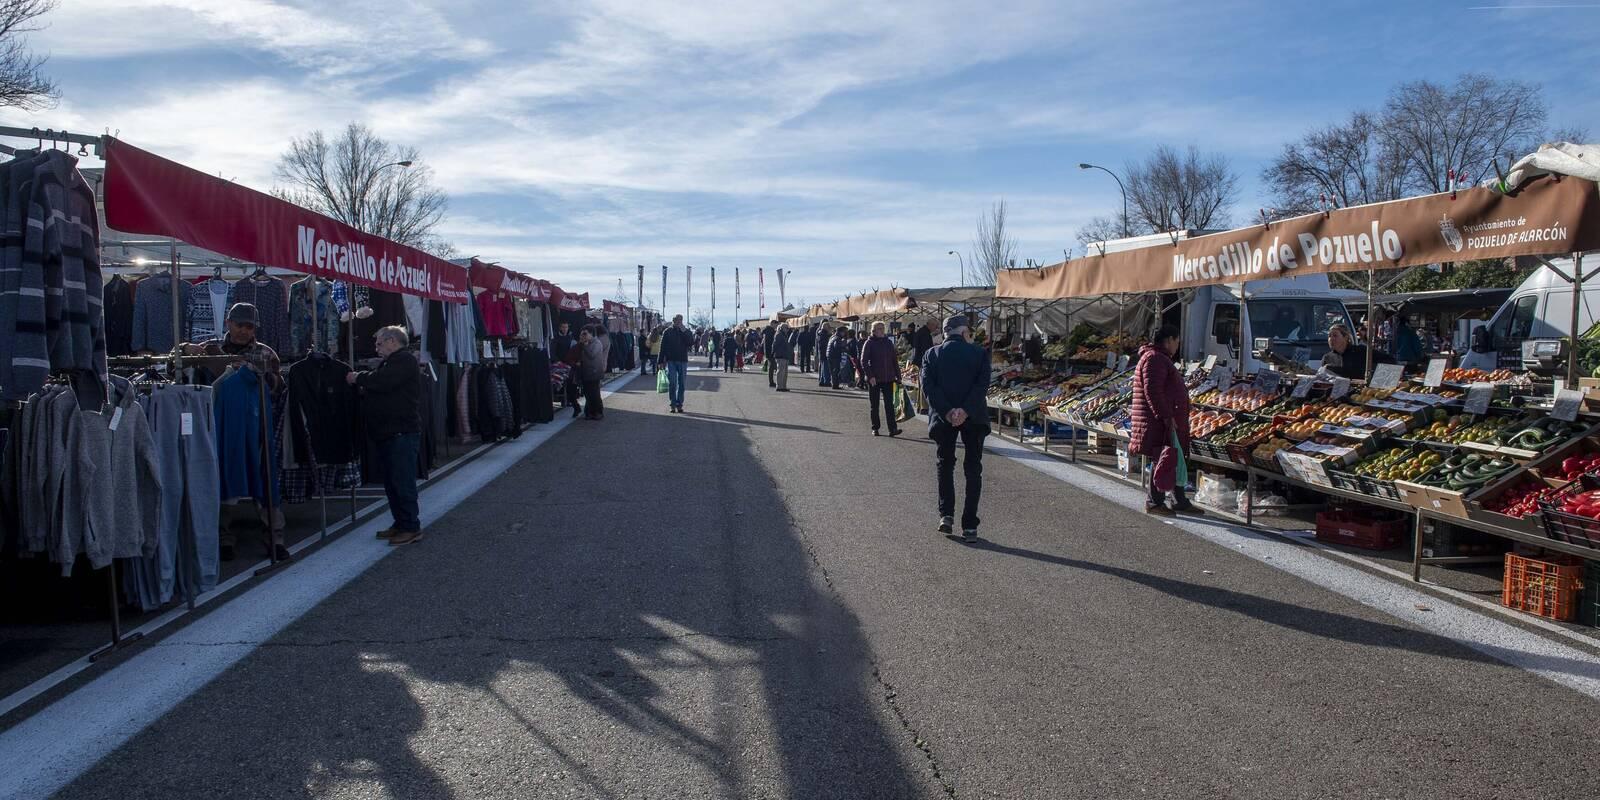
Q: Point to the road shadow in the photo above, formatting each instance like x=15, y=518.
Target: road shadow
x=535, y=645
x=1316, y=622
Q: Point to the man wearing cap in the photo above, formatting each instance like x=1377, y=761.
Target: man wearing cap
x=391, y=398
x=240, y=341
x=955, y=381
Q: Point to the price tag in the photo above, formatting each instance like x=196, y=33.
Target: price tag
x=1478, y=397
x=1561, y=383
x=1341, y=388
x=1191, y=369
x=1122, y=363
x=1435, y=374
x=1224, y=377
x=116, y=418
x=1386, y=376
x=1568, y=401
x=1268, y=380
x=488, y=351
x=1302, y=355
x=186, y=424
x=1111, y=360
x=1122, y=459
x=1302, y=387
x=1211, y=361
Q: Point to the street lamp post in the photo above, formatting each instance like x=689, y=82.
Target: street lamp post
x=1119, y=186
x=361, y=202
x=963, y=263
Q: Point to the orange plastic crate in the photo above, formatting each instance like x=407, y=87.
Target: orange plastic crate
x=1546, y=587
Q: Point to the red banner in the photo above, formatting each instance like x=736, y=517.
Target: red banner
x=571, y=302
x=496, y=278
x=614, y=307
x=145, y=193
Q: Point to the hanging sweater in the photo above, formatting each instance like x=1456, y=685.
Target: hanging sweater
x=206, y=310
x=112, y=493
x=152, y=315
x=271, y=299
x=63, y=240
x=117, y=301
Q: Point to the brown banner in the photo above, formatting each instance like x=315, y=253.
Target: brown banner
x=1547, y=217
x=886, y=301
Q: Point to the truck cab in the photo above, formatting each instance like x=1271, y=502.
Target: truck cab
x=1539, y=311
x=1286, y=317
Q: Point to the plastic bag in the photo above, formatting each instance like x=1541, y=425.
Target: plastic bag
x=662, y=384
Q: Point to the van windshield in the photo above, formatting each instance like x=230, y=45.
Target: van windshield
x=1295, y=319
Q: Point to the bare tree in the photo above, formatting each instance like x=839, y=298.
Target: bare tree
x=22, y=81
x=1465, y=127
x=1101, y=229
x=1570, y=133
x=1349, y=163
x=992, y=248
x=1171, y=191
x=701, y=318
x=367, y=183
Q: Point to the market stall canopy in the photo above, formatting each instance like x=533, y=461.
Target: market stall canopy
x=1546, y=215
x=886, y=301
x=495, y=278
x=148, y=194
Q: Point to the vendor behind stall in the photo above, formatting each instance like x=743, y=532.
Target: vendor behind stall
x=1347, y=359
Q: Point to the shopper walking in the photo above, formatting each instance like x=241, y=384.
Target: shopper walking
x=782, y=355
x=843, y=360
x=655, y=350
x=807, y=340
x=767, y=335
x=955, y=379
x=644, y=352
x=881, y=364
x=391, y=409
x=730, y=350
x=676, y=342
x=564, y=348
x=593, y=352
x=824, y=369
x=1160, y=413
x=713, y=347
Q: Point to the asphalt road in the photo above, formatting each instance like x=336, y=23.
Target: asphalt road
x=749, y=600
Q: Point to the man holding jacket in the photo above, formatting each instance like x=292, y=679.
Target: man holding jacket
x=676, y=344
x=955, y=379
x=391, y=408
x=881, y=364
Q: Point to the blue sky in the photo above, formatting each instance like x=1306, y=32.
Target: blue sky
x=854, y=144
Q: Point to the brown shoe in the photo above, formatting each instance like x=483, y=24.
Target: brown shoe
x=1159, y=510
x=405, y=537
x=387, y=533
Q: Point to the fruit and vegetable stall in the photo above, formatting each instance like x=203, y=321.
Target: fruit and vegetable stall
x=1491, y=453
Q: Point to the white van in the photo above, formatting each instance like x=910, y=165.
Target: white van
x=1288, y=316
x=1539, y=309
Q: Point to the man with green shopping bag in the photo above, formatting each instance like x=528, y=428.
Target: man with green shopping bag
x=1160, y=429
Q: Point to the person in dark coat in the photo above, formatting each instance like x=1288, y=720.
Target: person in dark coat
x=1160, y=411
x=782, y=355
x=730, y=349
x=767, y=335
x=391, y=408
x=564, y=348
x=807, y=341
x=1347, y=359
x=676, y=345
x=881, y=364
x=955, y=379
x=840, y=359
x=824, y=368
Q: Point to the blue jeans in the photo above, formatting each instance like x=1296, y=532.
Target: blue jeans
x=676, y=372
x=398, y=457
x=824, y=372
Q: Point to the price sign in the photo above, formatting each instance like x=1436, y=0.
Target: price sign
x=1568, y=401
x=1111, y=360
x=1561, y=383
x=1122, y=363
x=1478, y=397
x=1211, y=361
x=1435, y=374
x=1386, y=376
x=1268, y=380
x=1123, y=461
x=1302, y=387
x=1302, y=355
x=1224, y=377
x=1191, y=369
x=1341, y=387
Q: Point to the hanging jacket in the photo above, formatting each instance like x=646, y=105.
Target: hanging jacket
x=117, y=301
x=238, y=413
x=321, y=412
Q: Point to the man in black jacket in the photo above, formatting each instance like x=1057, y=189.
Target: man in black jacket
x=921, y=343
x=824, y=371
x=955, y=379
x=806, y=340
x=391, y=409
x=676, y=344
x=767, y=335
